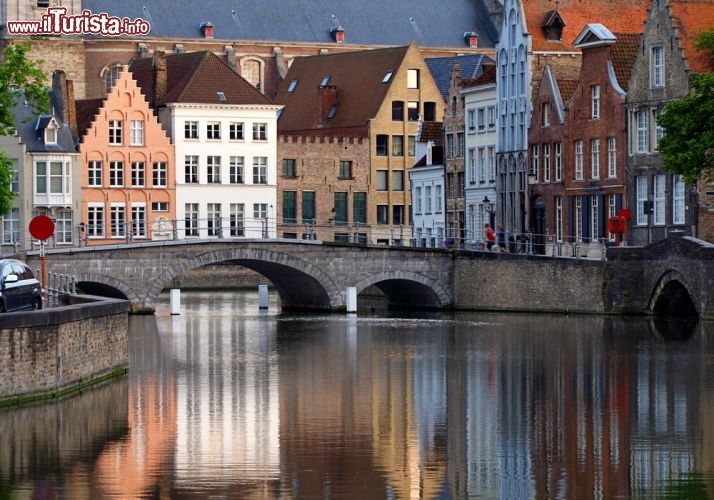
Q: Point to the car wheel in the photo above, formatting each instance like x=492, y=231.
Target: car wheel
x=36, y=304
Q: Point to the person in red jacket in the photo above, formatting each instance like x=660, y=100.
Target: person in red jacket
x=490, y=236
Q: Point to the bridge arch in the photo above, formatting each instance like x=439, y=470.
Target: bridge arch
x=106, y=286
x=301, y=285
x=408, y=288
x=672, y=297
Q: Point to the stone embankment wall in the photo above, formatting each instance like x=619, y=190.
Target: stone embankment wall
x=52, y=352
x=512, y=282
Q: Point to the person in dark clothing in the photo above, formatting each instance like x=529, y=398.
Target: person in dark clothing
x=501, y=238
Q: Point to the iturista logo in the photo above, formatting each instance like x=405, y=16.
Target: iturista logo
x=57, y=22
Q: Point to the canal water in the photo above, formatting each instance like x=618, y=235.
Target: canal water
x=229, y=401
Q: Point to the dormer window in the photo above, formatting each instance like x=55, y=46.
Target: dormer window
x=553, y=26
x=292, y=86
x=221, y=96
x=324, y=81
x=388, y=76
x=50, y=132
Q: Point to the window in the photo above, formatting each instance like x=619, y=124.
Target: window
x=491, y=156
x=642, y=139
x=657, y=66
x=471, y=165
x=213, y=210
x=260, y=211
x=677, y=199
x=595, y=158
x=387, y=76
x=15, y=181
x=116, y=174
x=291, y=87
x=471, y=120
x=325, y=80
x=345, y=170
x=159, y=206
x=413, y=111
x=535, y=161
x=398, y=180
x=159, y=174
x=95, y=221
x=359, y=208
x=235, y=131
x=382, y=184
x=659, y=200
x=260, y=170
x=412, y=78
x=308, y=207
x=397, y=145
x=594, y=218
x=11, y=226
x=491, y=117
x=63, y=226
x=112, y=74
x=340, y=207
x=213, y=169
x=427, y=200
x=460, y=144
x=558, y=161
x=95, y=173
x=411, y=145
x=289, y=168
x=191, y=219
x=429, y=111
x=43, y=4
x=117, y=221
x=578, y=160
x=612, y=157
x=595, y=102
x=398, y=214
x=449, y=145
x=191, y=169
x=136, y=132
x=190, y=130
x=138, y=221
x=482, y=167
x=260, y=131
x=558, y=218
x=578, y=218
x=236, y=166
x=236, y=219
x=642, y=214
x=289, y=207
x=51, y=133
x=382, y=145
x=416, y=200
x=138, y=174
x=659, y=131
x=213, y=131
x=398, y=111
x=481, y=119
x=545, y=114
x=115, y=132
x=546, y=162
x=382, y=214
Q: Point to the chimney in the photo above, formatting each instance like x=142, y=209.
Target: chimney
x=71, y=110
x=327, y=97
x=471, y=39
x=59, y=86
x=338, y=33
x=160, y=77
x=207, y=29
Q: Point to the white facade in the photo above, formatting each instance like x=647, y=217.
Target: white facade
x=480, y=110
x=428, y=213
x=513, y=83
x=226, y=174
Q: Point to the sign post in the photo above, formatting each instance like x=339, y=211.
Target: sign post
x=41, y=228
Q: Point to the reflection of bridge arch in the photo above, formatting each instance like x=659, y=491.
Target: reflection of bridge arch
x=299, y=283
x=672, y=297
x=105, y=286
x=407, y=288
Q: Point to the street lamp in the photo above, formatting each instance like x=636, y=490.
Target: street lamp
x=488, y=208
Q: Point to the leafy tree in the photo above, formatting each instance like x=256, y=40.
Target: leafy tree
x=687, y=146
x=17, y=73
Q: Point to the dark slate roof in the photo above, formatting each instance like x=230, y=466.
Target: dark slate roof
x=440, y=69
x=373, y=22
x=31, y=129
x=357, y=78
x=623, y=56
x=196, y=77
x=86, y=110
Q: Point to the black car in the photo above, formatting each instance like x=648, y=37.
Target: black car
x=19, y=289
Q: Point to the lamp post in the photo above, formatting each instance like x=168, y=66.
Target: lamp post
x=488, y=208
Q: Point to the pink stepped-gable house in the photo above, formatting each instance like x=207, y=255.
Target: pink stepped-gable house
x=128, y=178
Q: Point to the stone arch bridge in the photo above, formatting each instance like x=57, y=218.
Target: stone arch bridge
x=674, y=277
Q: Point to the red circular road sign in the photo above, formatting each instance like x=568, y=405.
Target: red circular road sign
x=42, y=227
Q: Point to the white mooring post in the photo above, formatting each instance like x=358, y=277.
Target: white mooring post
x=262, y=296
x=175, y=301
x=351, y=299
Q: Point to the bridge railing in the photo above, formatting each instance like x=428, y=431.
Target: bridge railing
x=235, y=227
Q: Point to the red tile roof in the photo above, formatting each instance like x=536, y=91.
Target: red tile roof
x=623, y=54
x=691, y=17
x=431, y=131
x=197, y=77
x=621, y=16
x=357, y=78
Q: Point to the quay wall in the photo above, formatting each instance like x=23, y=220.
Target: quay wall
x=529, y=283
x=52, y=352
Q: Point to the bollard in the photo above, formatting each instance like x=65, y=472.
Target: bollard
x=262, y=296
x=175, y=301
x=351, y=299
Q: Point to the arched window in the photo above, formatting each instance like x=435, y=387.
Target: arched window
x=110, y=75
x=252, y=70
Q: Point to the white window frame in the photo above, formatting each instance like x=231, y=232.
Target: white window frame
x=678, y=202
x=642, y=129
x=115, y=132
x=260, y=170
x=159, y=174
x=657, y=66
x=116, y=173
x=213, y=131
x=558, y=161
x=138, y=220
x=136, y=133
x=213, y=169
x=546, y=162
x=579, y=160
x=260, y=131
x=612, y=156
x=641, y=198
x=94, y=173
x=190, y=130
x=117, y=220
x=595, y=102
x=559, y=218
x=96, y=223
x=236, y=170
x=660, y=200
x=594, y=158
x=138, y=174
